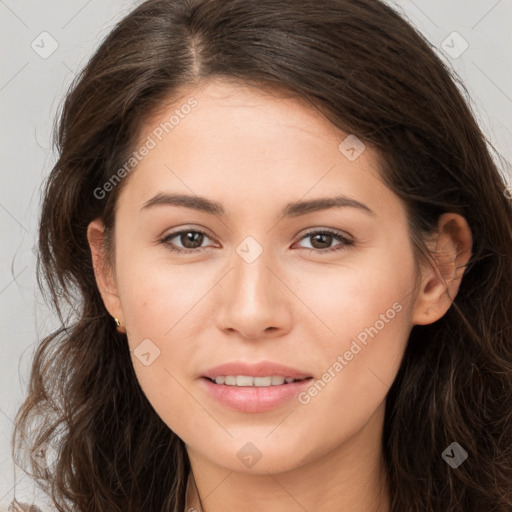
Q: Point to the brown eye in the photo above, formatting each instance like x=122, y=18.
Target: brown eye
x=321, y=241
x=190, y=240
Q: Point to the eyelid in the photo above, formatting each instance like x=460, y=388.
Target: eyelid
x=320, y=229
x=181, y=229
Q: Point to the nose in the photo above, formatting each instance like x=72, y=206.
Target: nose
x=253, y=299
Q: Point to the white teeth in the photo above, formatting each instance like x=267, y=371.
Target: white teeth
x=244, y=380
x=262, y=381
x=248, y=381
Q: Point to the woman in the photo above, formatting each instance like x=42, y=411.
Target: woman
x=211, y=361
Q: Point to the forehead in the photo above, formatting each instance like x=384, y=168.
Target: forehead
x=244, y=144
x=220, y=105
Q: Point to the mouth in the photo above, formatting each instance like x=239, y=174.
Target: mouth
x=253, y=388
x=251, y=381
x=254, y=393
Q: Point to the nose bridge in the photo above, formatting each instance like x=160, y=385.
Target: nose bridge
x=253, y=298
x=251, y=275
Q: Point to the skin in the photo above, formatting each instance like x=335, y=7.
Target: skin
x=254, y=152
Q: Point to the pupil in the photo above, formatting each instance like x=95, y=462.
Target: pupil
x=192, y=236
x=322, y=236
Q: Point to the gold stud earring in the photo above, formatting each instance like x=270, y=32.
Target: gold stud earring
x=118, y=325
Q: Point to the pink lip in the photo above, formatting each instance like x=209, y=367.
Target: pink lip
x=254, y=399
x=263, y=369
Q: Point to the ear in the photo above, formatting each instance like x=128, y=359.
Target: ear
x=451, y=250
x=103, y=271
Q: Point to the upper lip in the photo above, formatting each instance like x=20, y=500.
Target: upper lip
x=261, y=369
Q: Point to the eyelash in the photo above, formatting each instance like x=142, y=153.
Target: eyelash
x=346, y=242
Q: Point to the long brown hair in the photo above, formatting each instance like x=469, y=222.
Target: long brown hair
x=371, y=74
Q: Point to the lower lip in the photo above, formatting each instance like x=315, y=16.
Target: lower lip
x=254, y=399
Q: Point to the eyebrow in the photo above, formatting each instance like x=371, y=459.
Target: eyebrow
x=294, y=209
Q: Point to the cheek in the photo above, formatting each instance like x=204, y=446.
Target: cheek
x=161, y=301
x=369, y=309
x=360, y=297
x=161, y=304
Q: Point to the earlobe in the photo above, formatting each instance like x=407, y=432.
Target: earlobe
x=450, y=248
x=103, y=271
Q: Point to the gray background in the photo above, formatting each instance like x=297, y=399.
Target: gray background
x=33, y=84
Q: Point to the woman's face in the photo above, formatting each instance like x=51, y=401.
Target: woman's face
x=265, y=289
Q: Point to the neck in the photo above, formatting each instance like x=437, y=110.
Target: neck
x=351, y=476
